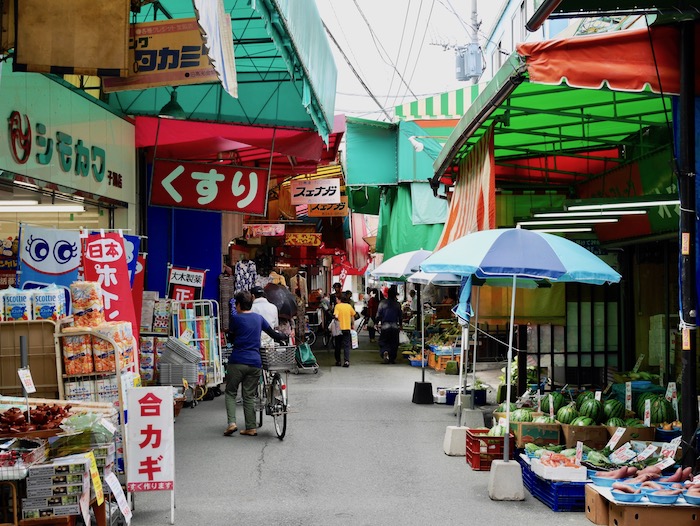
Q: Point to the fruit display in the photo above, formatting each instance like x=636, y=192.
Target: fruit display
x=593, y=409
x=567, y=414
x=497, y=431
x=583, y=396
x=521, y=415
x=613, y=409
x=558, y=402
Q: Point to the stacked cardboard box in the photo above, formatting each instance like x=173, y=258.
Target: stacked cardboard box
x=55, y=489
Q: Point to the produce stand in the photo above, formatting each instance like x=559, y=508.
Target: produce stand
x=557, y=495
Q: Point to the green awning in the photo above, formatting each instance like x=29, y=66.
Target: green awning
x=537, y=119
x=285, y=69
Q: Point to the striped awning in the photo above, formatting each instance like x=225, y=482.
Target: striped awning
x=449, y=105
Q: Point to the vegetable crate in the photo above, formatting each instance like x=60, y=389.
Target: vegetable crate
x=558, y=496
x=482, y=449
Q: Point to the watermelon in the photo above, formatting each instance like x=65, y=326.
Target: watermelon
x=593, y=409
x=497, y=431
x=639, y=407
x=503, y=408
x=567, y=413
x=582, y=397
x=544, y=419
x=634, y=422
x=615, y=422
x=521, y=415
x=558, y=402
x=661, y=410
x=613, y=409
x=582, y=421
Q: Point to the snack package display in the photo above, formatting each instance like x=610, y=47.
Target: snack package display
x=104, y=352
x=17, y=304
x=48, y=303
x=87, y=304
x=161, y=316
x=77, y=352
x=107, y=389
x=83, y=390
x=147, y=358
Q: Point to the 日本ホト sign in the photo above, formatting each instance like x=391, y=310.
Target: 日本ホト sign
x=150, y=439
x=315, y=191
x=209, y=187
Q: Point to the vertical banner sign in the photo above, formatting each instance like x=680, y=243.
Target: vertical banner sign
x=185, y=284
x=150, y=440
x=48, y=256
x=138, y=284
x=131, y=246
x=105, y=262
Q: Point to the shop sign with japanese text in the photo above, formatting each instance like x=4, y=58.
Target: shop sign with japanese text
x=329, y=209
x=315, y=191
x=105, y=262
x=56, y=136
x=267, y=230
x=150, y=441
x=209, y=187
x=164, y=53
x=302, y=240
x=185, y=284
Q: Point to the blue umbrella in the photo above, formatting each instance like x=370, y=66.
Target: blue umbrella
x=519, y=253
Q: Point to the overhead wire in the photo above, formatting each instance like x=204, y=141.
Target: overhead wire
x=410, y=48
x=398, y=50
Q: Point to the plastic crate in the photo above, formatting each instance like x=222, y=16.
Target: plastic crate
x=482, y=450
x=558, y=496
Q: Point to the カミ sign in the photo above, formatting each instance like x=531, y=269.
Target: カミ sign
x=209, y=187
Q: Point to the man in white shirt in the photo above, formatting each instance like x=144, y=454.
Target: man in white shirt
x=263, y=307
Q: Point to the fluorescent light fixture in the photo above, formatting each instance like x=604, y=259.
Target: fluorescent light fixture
x=42, y=209
x=29, y=202
x=562, y=230
x=591, y=213
x=610, y=205
x=568, y=221
x=26, y=185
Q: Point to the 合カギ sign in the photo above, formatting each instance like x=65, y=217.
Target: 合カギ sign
x=209, y=187
x=315, y=191
x=150, y=439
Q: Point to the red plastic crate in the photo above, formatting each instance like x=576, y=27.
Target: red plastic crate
x=482, y=449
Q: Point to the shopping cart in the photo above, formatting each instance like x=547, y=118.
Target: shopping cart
x=305, y=359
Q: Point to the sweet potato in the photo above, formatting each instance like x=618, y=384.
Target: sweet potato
x=620, y=486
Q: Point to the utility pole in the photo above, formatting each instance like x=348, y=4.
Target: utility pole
x=475, y=38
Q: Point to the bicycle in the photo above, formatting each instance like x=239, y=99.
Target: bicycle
x=271, y=397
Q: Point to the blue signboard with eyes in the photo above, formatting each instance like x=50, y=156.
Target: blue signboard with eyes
x=48, y=256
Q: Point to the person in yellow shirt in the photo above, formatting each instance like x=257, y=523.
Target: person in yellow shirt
x=345, y=314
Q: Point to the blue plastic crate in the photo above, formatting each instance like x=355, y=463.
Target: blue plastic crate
x=558, y=496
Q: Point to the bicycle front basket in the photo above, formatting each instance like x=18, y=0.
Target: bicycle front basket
x=277, y=358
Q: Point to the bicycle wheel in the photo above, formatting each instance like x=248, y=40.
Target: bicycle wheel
x=278, y=401
x=260, y=400
x=326, y=339
x=310, y=338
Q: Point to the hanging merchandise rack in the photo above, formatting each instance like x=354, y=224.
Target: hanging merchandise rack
x=198, y=323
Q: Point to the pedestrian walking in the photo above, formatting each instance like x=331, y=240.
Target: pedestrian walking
x=345, y=314
x=390, y=322
x=372, y=306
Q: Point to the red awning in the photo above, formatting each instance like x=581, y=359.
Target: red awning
x=632, y=60
x=295, y=151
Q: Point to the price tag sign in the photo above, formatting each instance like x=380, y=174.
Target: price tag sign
x=185, y=384
x=95, y=476
x=624, y=454
x=665, y=463
x=186, y=336
x=108, y=426
x=638, y=364
x=668, y=450
x=672, y=396
x=551, y=405
x=118, y=492
x=502, y=422
x=615, y=438
x=607, y=388
x=539, y=402
x=25, y=376
x=599, y=395
x=647, y=412
x=648, y=451
x=579, y=452
x=628, y=396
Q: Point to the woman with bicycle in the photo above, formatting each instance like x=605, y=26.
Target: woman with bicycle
x=245, y=364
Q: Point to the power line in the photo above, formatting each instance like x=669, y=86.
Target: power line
x=398, y=50
x=410, y=47
x=330, y=35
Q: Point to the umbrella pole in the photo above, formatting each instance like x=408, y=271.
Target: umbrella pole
x=476, y=335
x=506, y=440
x=464, y=339
x=422, y=334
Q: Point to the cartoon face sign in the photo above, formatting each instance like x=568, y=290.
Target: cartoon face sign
x=49, y=251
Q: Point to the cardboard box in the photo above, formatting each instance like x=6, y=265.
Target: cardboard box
x=49, y=502
x=531, y=433
x=592, y=436
x=632, y=433
x=52, y=491
x=636, y=515
x=568, y=474
x=56, y=511
x=596, y=506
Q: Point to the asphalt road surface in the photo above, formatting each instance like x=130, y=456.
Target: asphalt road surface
x=357, y=452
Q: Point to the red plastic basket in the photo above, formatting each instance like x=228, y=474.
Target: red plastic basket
x=482, y=450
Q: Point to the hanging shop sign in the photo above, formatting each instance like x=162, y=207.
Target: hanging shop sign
x=268, y=230
x=310, y=191
x=138, y=283
x=57, y=136
x=302, y=240
x=329, y=209
x=150, y=440
x=165, y=53
x=8, y=261
x=209, y=187
x=185, y=284
x=105, y=262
